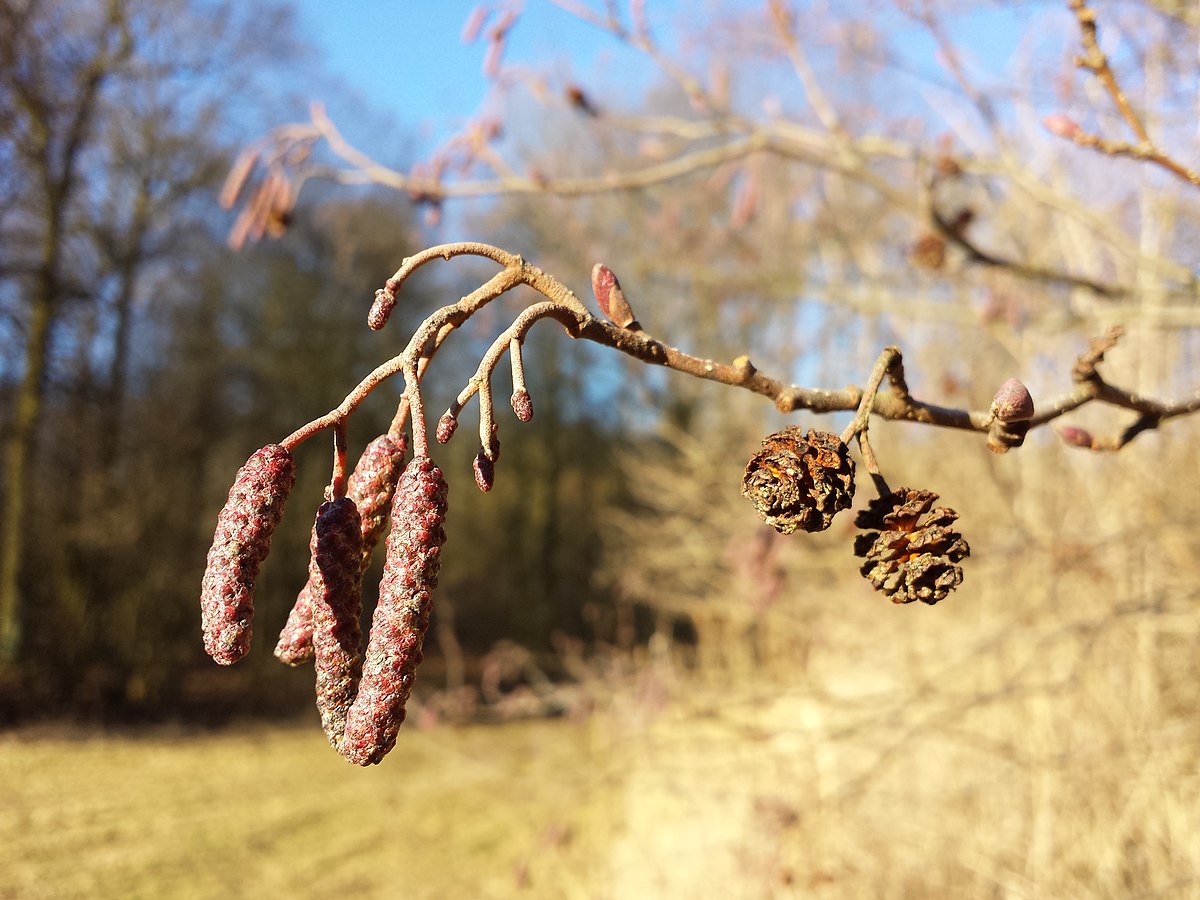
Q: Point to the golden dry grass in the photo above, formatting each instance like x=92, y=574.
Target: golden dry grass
x=1034, y=736
x=765, y=791
x=274, y=813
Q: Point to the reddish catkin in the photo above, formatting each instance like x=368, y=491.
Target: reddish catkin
x=335, y=576
x=371, y=486
x=398, y=628
x=241, y=543
x=295, y=640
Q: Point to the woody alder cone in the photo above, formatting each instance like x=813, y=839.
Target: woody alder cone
x=911, y=552
x=410, y=573
x=241, y=543
x=800, y=481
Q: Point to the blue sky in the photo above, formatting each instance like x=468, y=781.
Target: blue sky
x=404, y=61
x=407, y=60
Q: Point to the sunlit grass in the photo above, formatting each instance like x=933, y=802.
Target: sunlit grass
x=976, y=784
x=275, y=812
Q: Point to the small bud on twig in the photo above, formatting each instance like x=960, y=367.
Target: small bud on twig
x=381, y=309
x=1012, y=409
x=1077, y=437
x=1061, y=126
x=446, y=427
x=1012, y=402
x=611, y=298
x=485, y=471
x=522, y=405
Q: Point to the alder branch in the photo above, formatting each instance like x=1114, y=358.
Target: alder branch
x=1095, y=61
x=563, y=306
x=716, y=139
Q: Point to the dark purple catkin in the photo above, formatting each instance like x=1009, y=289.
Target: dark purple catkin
x=241, y=543
x=370, y=486
x=402, y=617
x=335, y=594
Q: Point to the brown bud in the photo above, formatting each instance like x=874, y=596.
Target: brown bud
x=401, y=617
x=611, y=298
x=241, y=543
x=1012, y=402
x=581, y=101
x=929, y=252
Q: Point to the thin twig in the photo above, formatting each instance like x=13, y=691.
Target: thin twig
x=888, y=358
x=565, y=307
x=1096, y=62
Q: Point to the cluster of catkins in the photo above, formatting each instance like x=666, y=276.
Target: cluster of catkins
x=361, y=696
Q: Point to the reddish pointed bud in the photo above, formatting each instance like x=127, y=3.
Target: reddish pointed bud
x=1012, y=402
x=446, y=427
x=522, y=405
x=241, y=543
x=401, y=618
x=381, y=309
x=1077, y=437
x=1061, y=126
x=485, y=472
x=611, y=298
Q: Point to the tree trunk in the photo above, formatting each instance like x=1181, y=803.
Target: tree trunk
x=19, y=447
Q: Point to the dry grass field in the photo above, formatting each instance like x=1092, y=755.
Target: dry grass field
x=775, y=793
x=1034, y=736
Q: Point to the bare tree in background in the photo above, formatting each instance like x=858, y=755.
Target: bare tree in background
x=108, y=109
